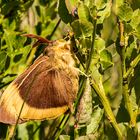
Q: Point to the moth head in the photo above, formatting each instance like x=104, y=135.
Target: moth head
x=57, y=50
x=62, y=51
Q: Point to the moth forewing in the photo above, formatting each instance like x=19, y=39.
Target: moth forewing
x=45, y=90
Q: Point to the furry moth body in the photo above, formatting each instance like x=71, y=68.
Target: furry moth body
x=45, y=90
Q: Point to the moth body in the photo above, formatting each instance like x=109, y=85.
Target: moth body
x=45, y=90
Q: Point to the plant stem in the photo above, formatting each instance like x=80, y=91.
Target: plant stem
x=80, y=92
x=57, y=127
x=31, y=56
x=19, y=114
x=87, y=69
x=92, y=48
x=7, y=134
x=62, y=125
x=125, y=80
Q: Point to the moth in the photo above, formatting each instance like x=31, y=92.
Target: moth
x=46, y=89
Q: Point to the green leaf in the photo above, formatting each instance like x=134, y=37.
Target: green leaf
x=135, y=21
x=99, y=44
x=125, y=12
x=8, y=78
x=13, y=40
x=27, y=4
x=95, y=121
x=129, y=51
x=63, y=12
x=133, y=99
x=26, y=131
x=137, y=33
x=19, y=42
x=9, y=37
x=105, y=55
x=105, y=13
x=100, y=4
x=105, y=59
x=47, y=31
x=8, y=6
x=82, y=28
x=86, y=43
x=119, y=2
x=135, y=91
x=128, y=28
x=70, y=4
x=22, y=132
x=64, y=137
x=2, y=60
x=8, y=24
x=83, y=12
x=15, y=51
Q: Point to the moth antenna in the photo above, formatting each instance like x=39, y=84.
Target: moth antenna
x=41, y=40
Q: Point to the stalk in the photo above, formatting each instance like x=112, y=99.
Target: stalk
x=62, y=126
x=125, y=74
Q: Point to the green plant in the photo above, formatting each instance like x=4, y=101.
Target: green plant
x=107, y=43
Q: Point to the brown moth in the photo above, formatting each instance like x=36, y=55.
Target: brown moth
x=46, y=89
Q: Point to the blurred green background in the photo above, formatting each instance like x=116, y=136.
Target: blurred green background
x=114, y=68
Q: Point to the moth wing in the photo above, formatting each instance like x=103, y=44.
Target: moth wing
x=43, y=91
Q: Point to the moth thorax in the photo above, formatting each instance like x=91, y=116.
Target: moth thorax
x=49, y=52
